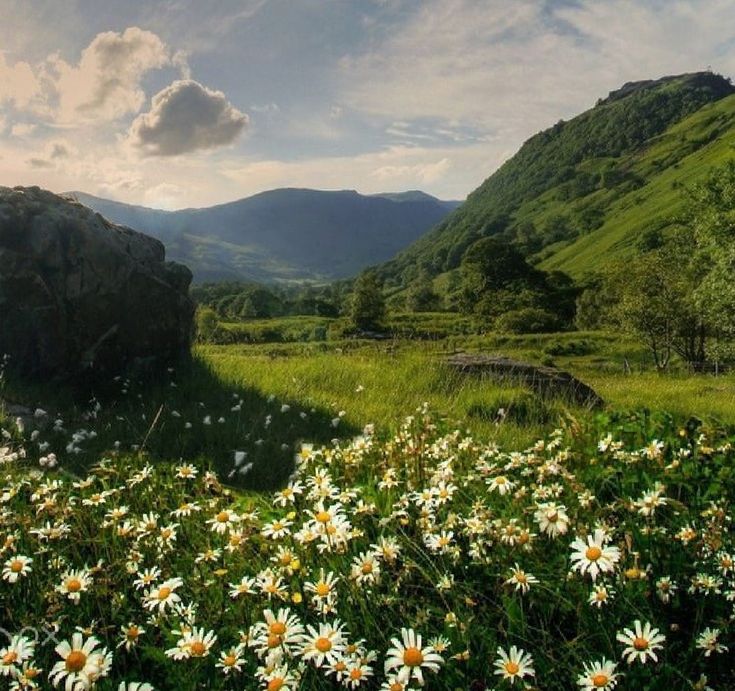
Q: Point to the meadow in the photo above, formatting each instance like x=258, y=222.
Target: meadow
x=344, y=513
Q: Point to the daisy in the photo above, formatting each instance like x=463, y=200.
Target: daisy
x=16, y=567
x=601, y=594
x=500, y=484
x=276, y=529
x=129, y=635
x=708, y=641
x=135, y=686
x=164, y=595
x=223, y=521
x=231, y=661
x=515, y=664
x=193, y=643
x=640, y=643
x=82, y=663
x=246, y=586
x=357, y=672
x=186, y=471
x=592, y=556
x=323, y=589
x=19, y=650
x=521, y=580
x=325, y=645
x=365, y=569
x=279, y=678
x=282, y=631
x=74, y=583
x=598, y=675
x=409, y=659
x=552, y=518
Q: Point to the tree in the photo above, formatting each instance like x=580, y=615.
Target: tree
x=367, y=308
x=655, y=303
x=421, y=295
x=710, y=217
x=206, y=323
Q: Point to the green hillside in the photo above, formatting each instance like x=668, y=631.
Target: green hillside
x=588, y=190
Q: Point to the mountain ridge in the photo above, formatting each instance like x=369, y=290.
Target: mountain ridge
x=287, y=234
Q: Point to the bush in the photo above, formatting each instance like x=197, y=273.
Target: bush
x=529, y=320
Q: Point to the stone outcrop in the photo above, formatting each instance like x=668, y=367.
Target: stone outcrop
x=546, y=381
x=78, y=293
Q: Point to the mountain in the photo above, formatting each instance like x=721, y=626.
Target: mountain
x=284, y=234
x=591, y=189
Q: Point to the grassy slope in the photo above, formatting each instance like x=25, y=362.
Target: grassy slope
x=657, y=204
x=673, y=133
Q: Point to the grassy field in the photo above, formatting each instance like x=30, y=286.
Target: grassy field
x=124, y=560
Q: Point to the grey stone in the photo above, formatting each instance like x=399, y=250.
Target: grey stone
x=78, y=293
x=542, y=380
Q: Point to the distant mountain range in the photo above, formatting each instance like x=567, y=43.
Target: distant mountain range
x=602, y=186
x=284, y=234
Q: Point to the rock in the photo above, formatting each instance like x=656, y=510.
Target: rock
x=542, y=380
x=78, y=293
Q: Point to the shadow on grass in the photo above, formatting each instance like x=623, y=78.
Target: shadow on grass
x=185, y=414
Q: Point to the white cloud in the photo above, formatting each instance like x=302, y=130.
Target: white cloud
x=187, y=116
x=106, y=83
x=511, y=69
x=18, y=84
x=22, y=129
x=446, y=172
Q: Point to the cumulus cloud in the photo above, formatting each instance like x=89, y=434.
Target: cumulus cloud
x=18, y=84
x=106, y=83
x=184, y=117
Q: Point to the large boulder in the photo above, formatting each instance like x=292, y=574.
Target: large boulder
x=545, y=381
x=78, y=292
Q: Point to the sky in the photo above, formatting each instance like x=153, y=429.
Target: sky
x=184, y=103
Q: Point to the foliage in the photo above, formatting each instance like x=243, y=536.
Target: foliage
x=528, y=320
x=367, y=307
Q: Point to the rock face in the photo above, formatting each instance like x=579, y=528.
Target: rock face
x=542, y=380
x=78, y=292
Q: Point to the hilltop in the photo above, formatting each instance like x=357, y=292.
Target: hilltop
x=590, y=190
x=284, y=234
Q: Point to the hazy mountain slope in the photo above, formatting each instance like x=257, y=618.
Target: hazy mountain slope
x=286, y=234
x=581, y=191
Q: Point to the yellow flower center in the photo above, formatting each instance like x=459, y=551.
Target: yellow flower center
x=521, y=577
x=412, y=657
x=166, y=533
x=323, y=517
x=322, y=589
x=164, y=592
x=593, y=553
x=16, y=566
x=355, y=674
x=132, y=633
x=340, y=666
x=396, y=686
x=285, y=559
x=523, y=538
x=278, y=628
x=223, y=516
x=512, y=667
x=323, y=645
x=640, y=643
x=367, y=568
x=75, y=661
x=198, y=649
x=600, y=680
x=10, y=657
x=274, y=640
x=73, y=585
x=275, y=684
x=500, y=480
x=229, y=660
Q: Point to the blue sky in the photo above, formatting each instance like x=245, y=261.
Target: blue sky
x=189, y=103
